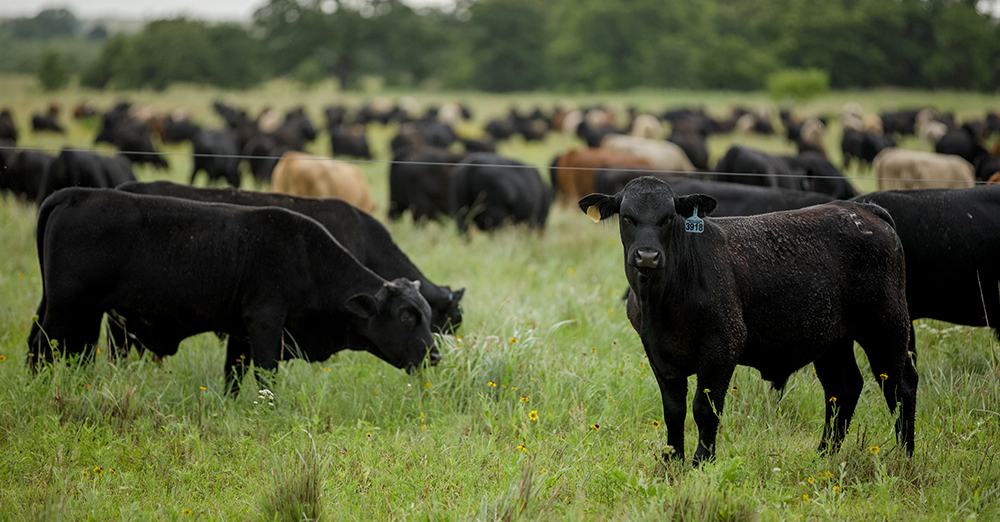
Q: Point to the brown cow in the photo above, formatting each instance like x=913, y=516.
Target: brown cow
x=302, y=174
x=574, y=171
x=910, y=169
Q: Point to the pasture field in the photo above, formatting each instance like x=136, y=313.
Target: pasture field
x=543, y=408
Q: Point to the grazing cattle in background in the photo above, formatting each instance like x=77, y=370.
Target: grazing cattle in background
x=430, y=132
x=900, y=122
x=593, y=134
x=732, y=199
x=952, y=242
x=301, y=174
x=817, y=174
x=501, y=129
x=8, y=130
x=47, y=122
x=909, y=169
x=215, y=153
x=362, y=235
x=419, y=182
x=349, y=141
x=573, y=172
x=692, y=142
x=531, y=127
x=84, y=169
x=662, y=155
x=22, y=173
x=967, y=143
x=336, y=115
x=770, y=171
x=179, y=130
x=484, y=145
x=490, y=190
x=708, y=294
x=129, y=135
x=84, y=110
x=863, y=146
x=274, y=280
x=452, y=113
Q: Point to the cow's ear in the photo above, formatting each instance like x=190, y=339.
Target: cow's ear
x=685, y=204
x=600, y=206
x=362, y=305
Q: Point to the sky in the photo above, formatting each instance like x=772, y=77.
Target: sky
x=150, y=9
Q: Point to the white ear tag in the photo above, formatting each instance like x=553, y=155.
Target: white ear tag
x=593, y=213
x=694, y=224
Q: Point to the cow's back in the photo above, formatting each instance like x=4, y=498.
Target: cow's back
x=899, y=169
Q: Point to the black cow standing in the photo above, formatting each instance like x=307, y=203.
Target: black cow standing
x=362, y=235
x=84, y=169
x=271, y=279
x=863, y=146
x=22, y=172
x=774, y=292
x=491, y=190
x=952, y=243
x=817, y=174
x=418, y=182
x=753, y=167
x=8, y=130
x=216, y=153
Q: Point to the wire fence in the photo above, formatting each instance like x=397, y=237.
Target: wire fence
x=680, y=173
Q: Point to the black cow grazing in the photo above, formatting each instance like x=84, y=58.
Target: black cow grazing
x=817, y=174
x=732, y=199
x=491, y=190
x=349, y=141
x=952, y=242
x=767, y=170
x=179, y=130
x=362, y=235
x=215, y=153
x=8, y=130
x=84, y=169
x=297, y=131
x=965, y=142
x=274, y=280
x=693, y=145
x=863, y=146
x=48, y=122
x=708, y=294
x=501, y=129
x=900, y=122
x=263, y=154
x=418, y=182
x=134, y=142
x=22, y=172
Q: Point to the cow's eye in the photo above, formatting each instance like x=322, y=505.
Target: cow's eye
x=408, y=317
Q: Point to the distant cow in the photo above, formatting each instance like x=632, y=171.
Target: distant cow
x=349, y=141
x=179, y=130
x=418, y=182
x=47, y=122
x=662, y=155
x=130, y=135
x=8, y=130
x=906, y=169
x=22, y=173
x=301, y=174
x=573, y=172
x=732, y=199
x=952, y=242
x=817, y=174
x=863, y=146
x=708, y=294
x=274, y=280
x=753, y=167
x=692, y=143
x=490, y=190
x=362, y=235
x=84, y=169
x=215, y=153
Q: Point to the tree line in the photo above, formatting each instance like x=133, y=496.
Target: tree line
x=569, y=45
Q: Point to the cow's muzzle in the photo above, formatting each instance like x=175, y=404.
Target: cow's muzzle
x=647, y=259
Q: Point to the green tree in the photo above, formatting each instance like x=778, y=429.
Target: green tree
x=507, y=40
x=52, y=71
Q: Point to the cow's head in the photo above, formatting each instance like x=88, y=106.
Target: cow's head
x=650, y=214
x=397, y=322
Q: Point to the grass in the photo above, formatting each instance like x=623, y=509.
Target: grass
x=570, y=428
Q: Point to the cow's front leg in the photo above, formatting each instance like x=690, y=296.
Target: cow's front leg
x=673, y=391
x=709, y=398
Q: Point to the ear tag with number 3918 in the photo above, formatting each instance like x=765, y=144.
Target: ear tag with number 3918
x=694, y=224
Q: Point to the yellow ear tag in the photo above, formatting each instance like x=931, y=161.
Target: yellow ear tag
x=594, y=214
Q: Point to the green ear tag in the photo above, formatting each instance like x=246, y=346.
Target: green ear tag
x=694, y=224
x=593, y=213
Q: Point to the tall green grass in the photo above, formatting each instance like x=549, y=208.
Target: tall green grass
x=543, y=408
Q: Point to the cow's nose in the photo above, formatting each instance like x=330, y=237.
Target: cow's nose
x=435, y=357
x=647, y=259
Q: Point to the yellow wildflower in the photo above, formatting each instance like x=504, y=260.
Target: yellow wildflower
x=533, y=415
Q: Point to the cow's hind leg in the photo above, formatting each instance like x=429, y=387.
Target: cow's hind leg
x=842, y=383
x=895, y=374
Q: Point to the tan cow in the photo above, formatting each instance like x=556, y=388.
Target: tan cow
x=662, y=155
x=579, y=167
x=910, y=169
x=302, y=174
